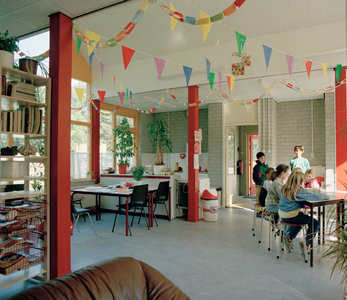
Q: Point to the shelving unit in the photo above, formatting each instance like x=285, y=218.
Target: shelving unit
x=30, y=218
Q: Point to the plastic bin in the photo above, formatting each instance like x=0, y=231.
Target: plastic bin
x=210, y=205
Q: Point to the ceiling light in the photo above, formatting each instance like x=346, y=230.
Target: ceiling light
x=149, y=99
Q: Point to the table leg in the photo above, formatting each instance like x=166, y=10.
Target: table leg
x=97, y=208
x=152, y=213
x=319, y=220
x=311, y=238
x=170, y=205
x=323, y=228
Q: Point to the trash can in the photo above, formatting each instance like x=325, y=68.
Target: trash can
x=210, y=204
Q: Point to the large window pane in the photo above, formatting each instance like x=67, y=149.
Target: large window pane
x=120, y=118
x=79, y=151
x=106, y=137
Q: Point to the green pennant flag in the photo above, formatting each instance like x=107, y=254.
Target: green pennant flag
x=338, y=72
x=126, y=94
x=211, y=79
x=241, y=40
x=79, y=43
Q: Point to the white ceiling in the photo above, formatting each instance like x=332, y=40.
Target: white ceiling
x=255, y=19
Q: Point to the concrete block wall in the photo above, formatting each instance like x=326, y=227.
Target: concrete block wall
x=215, y=144
x=294, y=127
x=330, y=141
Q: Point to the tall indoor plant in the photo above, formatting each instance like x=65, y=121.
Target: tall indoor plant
x=158, y=133
x=123, y=145
x=8, y=45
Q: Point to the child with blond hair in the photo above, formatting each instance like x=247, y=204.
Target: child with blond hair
x=292, y=200
x=310, y=181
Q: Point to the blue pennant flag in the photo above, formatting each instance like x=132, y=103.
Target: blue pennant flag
x=267, y=54
x=208, y=68
x=187, y=73
x=91, y=59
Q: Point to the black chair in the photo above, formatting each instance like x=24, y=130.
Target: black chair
x=76, y=211
x=135, y=201
x=79, y=202
x=161, y=196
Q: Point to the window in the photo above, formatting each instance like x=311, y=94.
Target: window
x=106, y=137
x=231, y=153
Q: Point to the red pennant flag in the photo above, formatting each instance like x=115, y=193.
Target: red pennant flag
x=102, y=95
x=308, y=64
x=114, y=82
x=127, y=55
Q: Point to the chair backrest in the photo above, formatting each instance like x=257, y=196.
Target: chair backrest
x=163, y=191
x=14, y=187
x=73, y=209
x=139, y=195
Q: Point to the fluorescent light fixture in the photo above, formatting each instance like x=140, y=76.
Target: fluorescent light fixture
x=149, y=99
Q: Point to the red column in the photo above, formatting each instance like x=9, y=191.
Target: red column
x=95, y=142
x=193, y=174
x=60, y=66
x=341, y=145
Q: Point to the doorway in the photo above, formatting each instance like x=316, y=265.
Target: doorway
x=253, y=148
x=230, y=168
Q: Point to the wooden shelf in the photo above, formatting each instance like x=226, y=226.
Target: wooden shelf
x=19, y=102
x=20, y=134
x=22, y=178
x=23, y=157
x=12, y=74
x=11, y=279
x=20, y=194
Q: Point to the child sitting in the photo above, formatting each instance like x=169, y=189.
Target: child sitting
x=310, y=181
x=266, y=186
x=292, y=201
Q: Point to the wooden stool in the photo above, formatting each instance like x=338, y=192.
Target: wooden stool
x=256, y=205
x=271, y=224
x=303, y=227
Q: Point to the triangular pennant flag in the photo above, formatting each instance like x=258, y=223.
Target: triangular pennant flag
x=211, y=79
x=159, y=63
x=205, y=29
x=308, y=65
x=79, y=93
x=208, y=67
x=126, y=94
x=325, y=67
x=91, y=59
x=121, y=86
x=102, y=95
x=290, y=59
x=267, y=54
x=173, y=20
x=91, y=36
x=187, y=73
x=220, y=79
x=231, y=79
x=79, y=43
x=121, y=96
x=127, y=55
x=338, y=72
x=114, y=82
x=102, y=66
x=241, y=40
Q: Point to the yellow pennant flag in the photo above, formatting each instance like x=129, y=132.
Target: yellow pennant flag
x=92, y=37
x=231, y=79
x=121, y=86
x=206, y=26
x=80, y=93
x=325, y=67
x=173, y=20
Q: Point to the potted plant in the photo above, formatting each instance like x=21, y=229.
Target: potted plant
x=138, y=173
x=31, y=64
x=89, y=175
x=123, y=145
x=7, y=46
x=158, y=132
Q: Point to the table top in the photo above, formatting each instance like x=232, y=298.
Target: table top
x=335, y=197
x=105, y=191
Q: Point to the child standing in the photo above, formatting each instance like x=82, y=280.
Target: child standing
x=291, y=203
x=259, y=174
x=299, y=161
x=310, y=181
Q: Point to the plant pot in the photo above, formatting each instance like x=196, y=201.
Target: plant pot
x=28, y=65
x=137, y=182
x=6, y=59
x=122, y=169
x=89, y=176
x=158, y=169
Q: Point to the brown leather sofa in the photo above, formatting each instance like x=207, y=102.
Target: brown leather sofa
x=116, y=278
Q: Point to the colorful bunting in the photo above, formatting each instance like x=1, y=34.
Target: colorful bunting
x=121, y=96
x=183, y=103
x=211, y=79
x=79, y=43
x=338, y=72
x=127, y=55
x=267, y=54
x=306, y=91
x=208, y=68
x=241, y=40
x=102, y=95
x=159, y=63
x=91, y=59
x=290, y=59
x=114, y=82
x=187, y=73
x=220, y=79
x=79, y=93
x=231, y=79
x=92, y=37
x=206, y=26
x=173, y=20
x=308, y=65
x=121, y=86
x=325, y=67
x=102, y=66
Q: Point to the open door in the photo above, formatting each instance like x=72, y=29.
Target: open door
x=253, y=149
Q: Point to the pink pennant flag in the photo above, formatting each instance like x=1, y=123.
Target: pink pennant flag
x=102, y=95
x=102, y=66
x=121, y=96
x=114, y=82
x=290, y=59
x=127, y=55
x=220, y=80
x=160, y=63
x=308, y=64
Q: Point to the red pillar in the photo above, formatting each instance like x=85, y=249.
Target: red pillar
x=193, y=174
x=95, y=141
x=60, y=67
x=341, y=145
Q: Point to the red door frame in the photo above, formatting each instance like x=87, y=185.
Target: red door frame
x=251, y=190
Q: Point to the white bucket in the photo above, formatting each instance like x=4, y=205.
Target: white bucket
x=6, y=59
x=210, y=210
x=158, y=169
